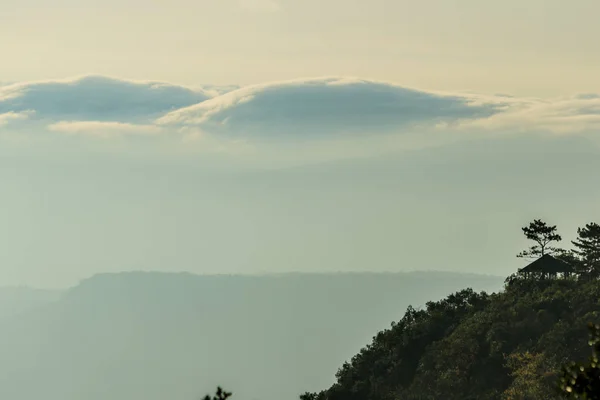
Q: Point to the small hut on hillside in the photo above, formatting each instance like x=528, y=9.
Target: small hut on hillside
x=547, y=267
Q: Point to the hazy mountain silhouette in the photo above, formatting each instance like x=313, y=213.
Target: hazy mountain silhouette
x=151, y=336
x=18, y=300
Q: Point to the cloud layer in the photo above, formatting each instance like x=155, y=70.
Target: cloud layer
x=97, y=98
x=10, y=116
x=306, y=108
x=572, y=114
x=327, y=105
x=102, y=128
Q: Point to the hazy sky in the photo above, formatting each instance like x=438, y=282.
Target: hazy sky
x=533, y=47
x=294, y=136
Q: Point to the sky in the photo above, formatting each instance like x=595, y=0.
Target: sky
x=533, y=48
x=273, y=136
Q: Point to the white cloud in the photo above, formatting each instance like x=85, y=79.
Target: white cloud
x=329, y=105
x=7, y=117
x=98, y=98
x=311, y=107
x=103, y=128
x=315, y=108
x=565, y=115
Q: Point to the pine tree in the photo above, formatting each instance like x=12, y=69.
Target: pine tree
x=542, y=234
x=588, y=248
x=220, y=395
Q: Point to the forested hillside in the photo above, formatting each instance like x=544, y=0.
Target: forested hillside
x=507, y=345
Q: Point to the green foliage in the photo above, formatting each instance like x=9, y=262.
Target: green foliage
x=582, y=381
x=503, y=346
x=543, y=235
x=532, y=376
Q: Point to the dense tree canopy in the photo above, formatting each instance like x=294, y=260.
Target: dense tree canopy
x=509, y=345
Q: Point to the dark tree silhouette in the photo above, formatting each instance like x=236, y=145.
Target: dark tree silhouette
x=220, y=395
x=588, y=248
x=582, y=381
x=543, y=235
x=571, y=258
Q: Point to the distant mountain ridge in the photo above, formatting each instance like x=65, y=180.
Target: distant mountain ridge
x=151, y=336
x=15, y=300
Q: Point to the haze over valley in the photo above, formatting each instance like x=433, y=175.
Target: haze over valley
x=299, y=199
x=167, y=335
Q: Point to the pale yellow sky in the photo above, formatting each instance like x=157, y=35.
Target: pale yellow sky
x=520, y=47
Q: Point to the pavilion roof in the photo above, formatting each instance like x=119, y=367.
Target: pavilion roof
x=548, y=264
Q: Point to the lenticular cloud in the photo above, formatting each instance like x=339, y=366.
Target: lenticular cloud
x=307, y=108
x=326, y=105
x=97, y=98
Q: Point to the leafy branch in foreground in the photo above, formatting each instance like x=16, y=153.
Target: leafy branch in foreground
x=582, y=381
